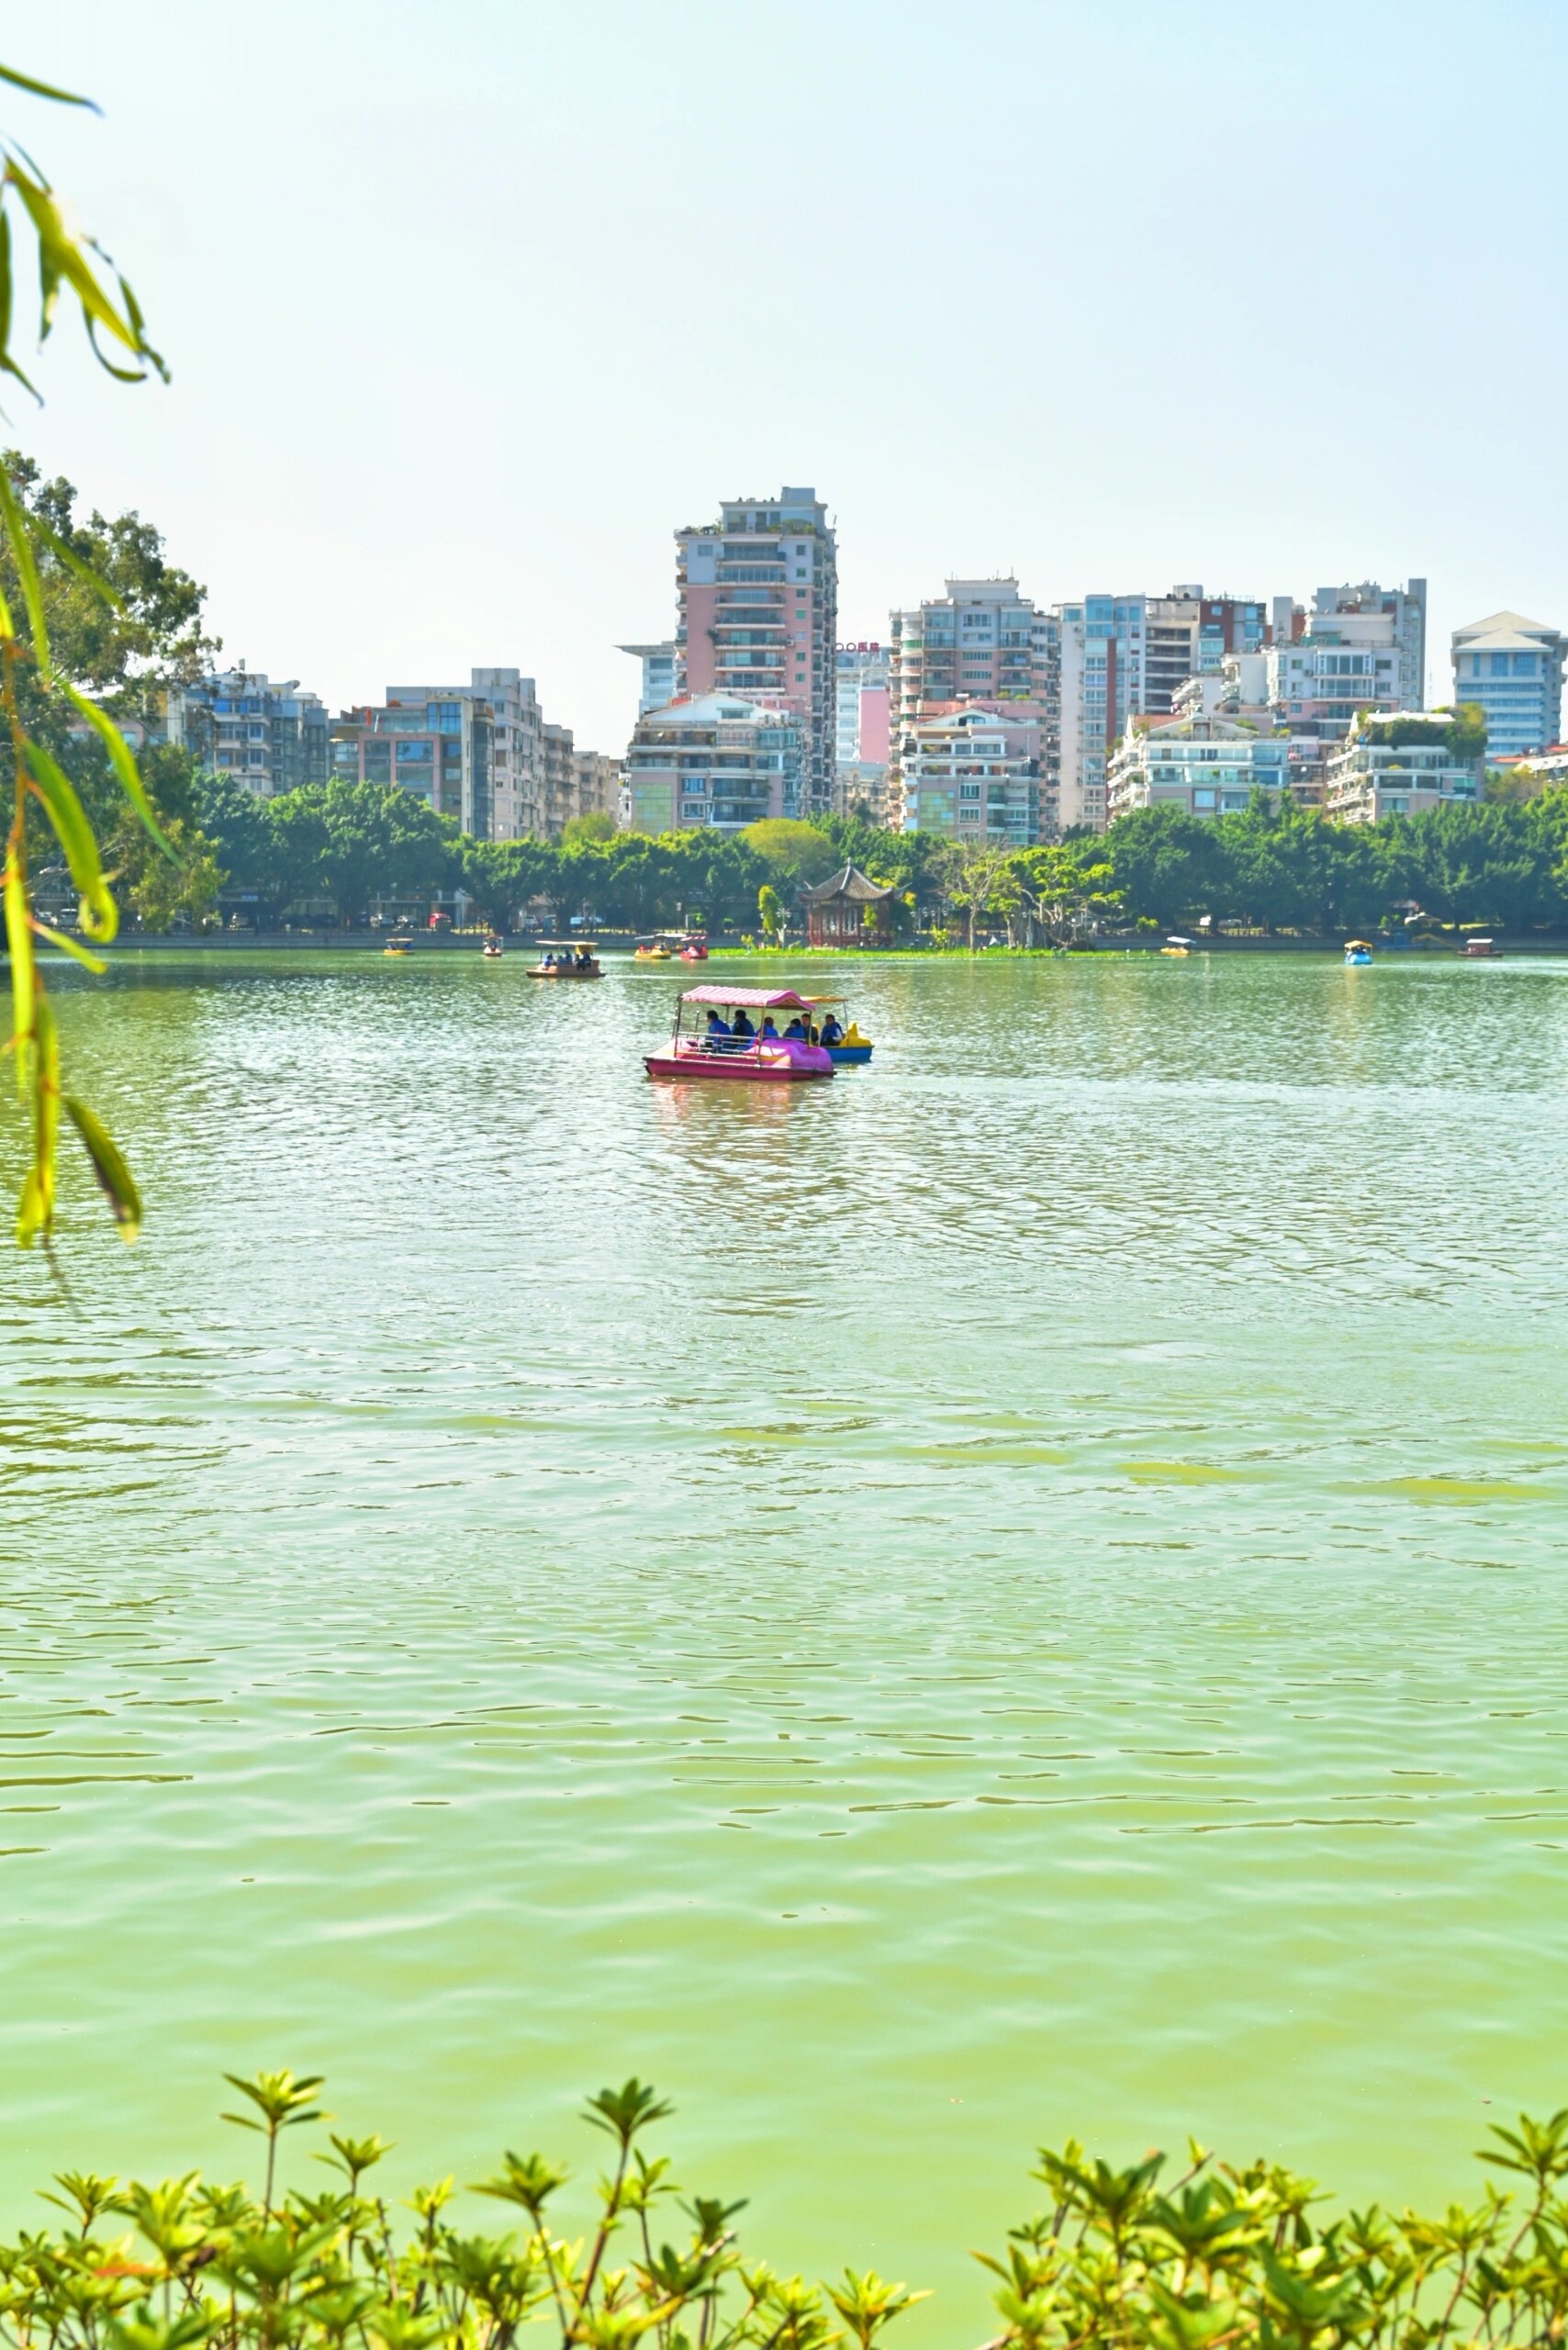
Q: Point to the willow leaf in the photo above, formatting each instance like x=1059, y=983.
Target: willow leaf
x=44, y=89
x=35, y=1209
x=24, y=977
x=100, y=915
x=124, y=765
x=61, y=260
x=16, y=525
x=114, y=1178
x=69, y=946
x=7, y=304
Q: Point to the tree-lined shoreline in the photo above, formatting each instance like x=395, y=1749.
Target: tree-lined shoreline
x=338, y=852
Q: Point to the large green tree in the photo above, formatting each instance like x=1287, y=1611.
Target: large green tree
x=130, y=642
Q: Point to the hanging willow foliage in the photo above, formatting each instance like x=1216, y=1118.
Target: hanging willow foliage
x=76, y=266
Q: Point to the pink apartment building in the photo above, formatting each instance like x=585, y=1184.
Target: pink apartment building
x=759, y=599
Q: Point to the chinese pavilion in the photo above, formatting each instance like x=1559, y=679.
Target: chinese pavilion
x=849, y=911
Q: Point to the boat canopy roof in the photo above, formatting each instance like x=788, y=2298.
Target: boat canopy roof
x=590, y=943
x=755, y=999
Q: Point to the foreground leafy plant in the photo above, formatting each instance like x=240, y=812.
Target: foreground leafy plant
x=68, y=263
x=1222, y=2257
x=208, y=2265
x=1230, y=2255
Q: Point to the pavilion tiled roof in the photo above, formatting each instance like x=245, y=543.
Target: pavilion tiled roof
x=852, y=884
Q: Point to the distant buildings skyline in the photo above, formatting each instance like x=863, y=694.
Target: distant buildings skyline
x=987, y=716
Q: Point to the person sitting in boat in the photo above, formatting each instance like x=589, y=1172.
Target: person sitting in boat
x=831, y=1031
x=584, y=959
x=769, y=1033
x=717, y=1028
x=797, y=1029
x=548, y=964
x=741, y=1025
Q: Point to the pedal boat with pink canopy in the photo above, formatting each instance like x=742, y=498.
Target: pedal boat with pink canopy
x=694, y=1051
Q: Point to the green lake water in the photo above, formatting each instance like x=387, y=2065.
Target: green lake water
x=1017, y=1593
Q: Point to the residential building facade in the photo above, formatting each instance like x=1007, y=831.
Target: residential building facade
x=1356, y=649
x=972, y=774
x=596, y=785
x=271, y=737
x=1101, y=670
x=716, y=759
x=1390, y=623
x=502, y=795
x=437, y=745
x=1513, y=667
x=1188, y=634
x=557, y=754
x=758, y=602
x=860, y=749
x=517, y=808
x=1209, y=765
x=1130, y=656
x=861, y=675
x=658, y=686
x=1370, y=777
x=982, y=645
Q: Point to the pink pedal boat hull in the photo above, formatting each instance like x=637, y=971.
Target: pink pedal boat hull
x=784, y=1063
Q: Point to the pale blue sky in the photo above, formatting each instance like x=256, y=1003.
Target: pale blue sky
x=469, y=305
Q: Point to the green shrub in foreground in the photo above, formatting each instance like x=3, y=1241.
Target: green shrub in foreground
x=1221, y=2257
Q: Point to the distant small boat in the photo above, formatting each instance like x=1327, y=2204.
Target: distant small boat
x=1480, y=950
x=1358, y=950
x=399, y=946
x=566, y=959
x=491, y=950
x=652, y=950
x=1177, y=946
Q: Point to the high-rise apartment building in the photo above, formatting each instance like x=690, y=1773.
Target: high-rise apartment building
x=270, y=737
x=980, y=645
x=1125, y=657
x=1392, y=618
x=502, y=797
x=1102, y=686
x=1206, y=766
x=861, y=694
x=714, y=759
x=1187, y=634
x=758, y=597
x=972, y=774
x=437, y=745
x=596, y=785
x=658, y=685
x=517, y=765
x=559, y=776
x=1513, y=667
x=1358, y=648
x=860, y=756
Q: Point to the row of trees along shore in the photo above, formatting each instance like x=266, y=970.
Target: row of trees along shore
x=1214, y=2256
x=335, y=852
